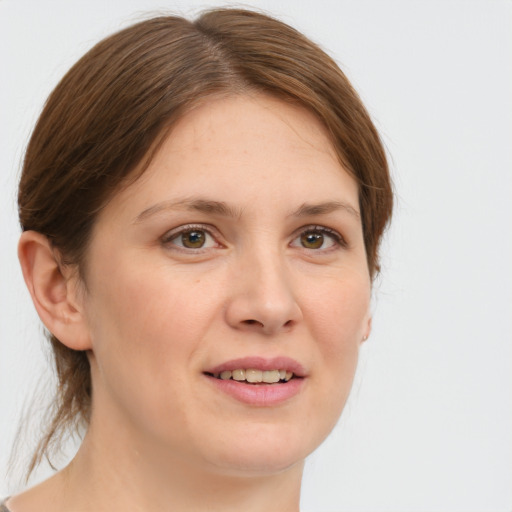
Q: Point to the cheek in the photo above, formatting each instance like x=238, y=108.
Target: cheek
x=145, y=327
x=338, y=317
x=339, y=313
x=141, y=295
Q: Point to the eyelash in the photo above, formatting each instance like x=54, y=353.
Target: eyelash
x=175, y=233
x=337, y=238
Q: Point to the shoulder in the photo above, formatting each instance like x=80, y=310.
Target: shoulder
x=3, y=507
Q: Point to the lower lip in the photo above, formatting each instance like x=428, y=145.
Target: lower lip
x=261, y=395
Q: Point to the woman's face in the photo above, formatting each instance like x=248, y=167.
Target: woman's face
x=240, y=248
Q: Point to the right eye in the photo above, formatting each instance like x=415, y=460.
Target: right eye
x=191, y=238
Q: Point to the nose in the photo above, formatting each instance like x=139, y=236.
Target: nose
x=262, y=299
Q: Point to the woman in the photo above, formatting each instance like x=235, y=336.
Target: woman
x=202, y=205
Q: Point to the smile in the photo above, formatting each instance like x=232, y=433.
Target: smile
x=258, y=381
x=255, y=376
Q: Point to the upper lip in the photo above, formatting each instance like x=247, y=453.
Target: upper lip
x=260, y=363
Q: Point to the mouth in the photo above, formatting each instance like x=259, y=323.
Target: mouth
x=258, y=381
x=254, y=376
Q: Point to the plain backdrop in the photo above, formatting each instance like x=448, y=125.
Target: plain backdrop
x=428, y=426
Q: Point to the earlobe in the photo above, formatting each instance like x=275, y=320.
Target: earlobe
x=368, y=329
x=53, y=291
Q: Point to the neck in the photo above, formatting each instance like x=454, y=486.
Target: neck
x=106, y=475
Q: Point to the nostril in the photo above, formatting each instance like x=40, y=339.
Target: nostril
x=252, y=322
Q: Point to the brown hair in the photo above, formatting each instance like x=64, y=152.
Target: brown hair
x=111, y=111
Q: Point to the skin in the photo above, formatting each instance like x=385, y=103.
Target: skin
x=155, y=315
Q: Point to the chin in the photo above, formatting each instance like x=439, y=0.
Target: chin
x=264, y=449
x=257, y=465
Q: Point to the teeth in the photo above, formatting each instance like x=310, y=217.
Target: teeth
x=256, y=376
x=253, y=375
x=238, y=374
x=271, y=376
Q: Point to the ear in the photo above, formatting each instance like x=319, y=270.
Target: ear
x=54, y=291
x=368, y=329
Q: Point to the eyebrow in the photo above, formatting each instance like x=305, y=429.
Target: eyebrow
x=199, y=205
x=225, y=210
x=307, y=209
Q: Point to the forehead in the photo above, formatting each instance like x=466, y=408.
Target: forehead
x=233, y=117
x=240, y=125
x=244, y=148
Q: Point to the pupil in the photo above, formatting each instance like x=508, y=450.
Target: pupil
x=193, y=239
x=312, y=240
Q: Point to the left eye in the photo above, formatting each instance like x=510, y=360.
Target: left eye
x=193, y=239
x=316, y=239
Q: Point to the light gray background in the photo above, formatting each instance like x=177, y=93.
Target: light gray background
x=429, y=424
